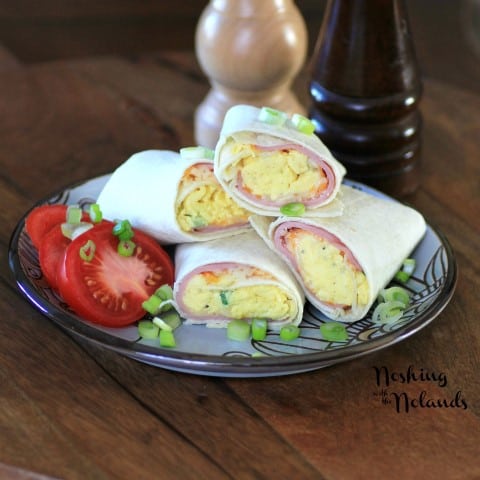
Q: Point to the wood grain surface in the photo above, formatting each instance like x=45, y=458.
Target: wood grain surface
x=72, y=410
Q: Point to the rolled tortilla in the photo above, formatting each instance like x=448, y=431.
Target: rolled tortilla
x=343, y=262
x=219, y=280
x=172, y=198
x=265, y=166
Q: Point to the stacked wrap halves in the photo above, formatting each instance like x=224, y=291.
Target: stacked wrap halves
x=340, y=247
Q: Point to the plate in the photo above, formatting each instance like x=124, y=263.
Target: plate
x=207, y=351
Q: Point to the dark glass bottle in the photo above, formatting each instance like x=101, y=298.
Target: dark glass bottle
x=366, y=87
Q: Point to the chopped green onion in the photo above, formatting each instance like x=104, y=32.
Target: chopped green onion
x=172, y=319
x=95, y=213
x=289, y=332
x=165, y=292
x=303, y=124
x=394, y=294
x=197, y=153
x=224, y=294
x=402, y=277
x=73, y=230
x=126, y=248
x=272, y=116
x=74, y=214
x=408, y=267
x=334, y=331
x=388, y=312
x=147, y=329
x=258, y=355
x=294, y=209
x=152, y=305
x=87, y=251
x=238, y=330
x=162, y=324
x=259, y=328
x=167, y=338
x=123, y=230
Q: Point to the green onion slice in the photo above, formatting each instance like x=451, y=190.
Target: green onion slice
x=303, y=124
x=72, y=230
x=402, y=277
x=259, y=328
x=388, y=312
x=165, y=292
x=162, y=324
x=172, y=319
x=152, y=304
x=197, y=153
x=289, y=332
x=272, y=116
x=95, y=213
x=408, y=267
x=238, y=330
x=334, y=331
x=294, y=209
x=74, y=214
x=87, y=251
x=394, y=294
x=147, y=329
x=224, y=296
x=123, y=230
x=258, y=355
x=167, y=338
x=126, y=248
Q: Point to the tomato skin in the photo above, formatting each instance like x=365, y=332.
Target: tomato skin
x=51, y=254
x=42, y=219
x=109, y=289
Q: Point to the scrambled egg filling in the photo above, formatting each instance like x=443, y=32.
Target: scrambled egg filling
x=279, y=175
x=202, y=202
x=222, y=293
x=325, y=270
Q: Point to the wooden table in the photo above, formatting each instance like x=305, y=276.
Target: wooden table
x=72, y=410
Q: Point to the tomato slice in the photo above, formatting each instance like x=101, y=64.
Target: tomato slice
x=51, y=254
x=42, y=219
x=110, y=289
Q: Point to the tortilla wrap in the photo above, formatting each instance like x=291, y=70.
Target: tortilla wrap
x=149, y=188
x=343, y=262
x=265, y=166
x=219, y=280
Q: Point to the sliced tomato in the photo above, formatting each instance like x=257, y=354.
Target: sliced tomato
x=41, y=219
x=51, y=253
x=110, y=288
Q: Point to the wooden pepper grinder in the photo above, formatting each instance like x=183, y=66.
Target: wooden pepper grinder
x=366, y=88
x=251, y=51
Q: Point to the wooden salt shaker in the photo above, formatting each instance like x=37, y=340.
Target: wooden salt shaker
x=366, y=88
x=251, y=51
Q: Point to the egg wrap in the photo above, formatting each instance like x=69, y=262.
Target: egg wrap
x=218, y=280
x=145, y=190
x=265, y=166
x=351, y=256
